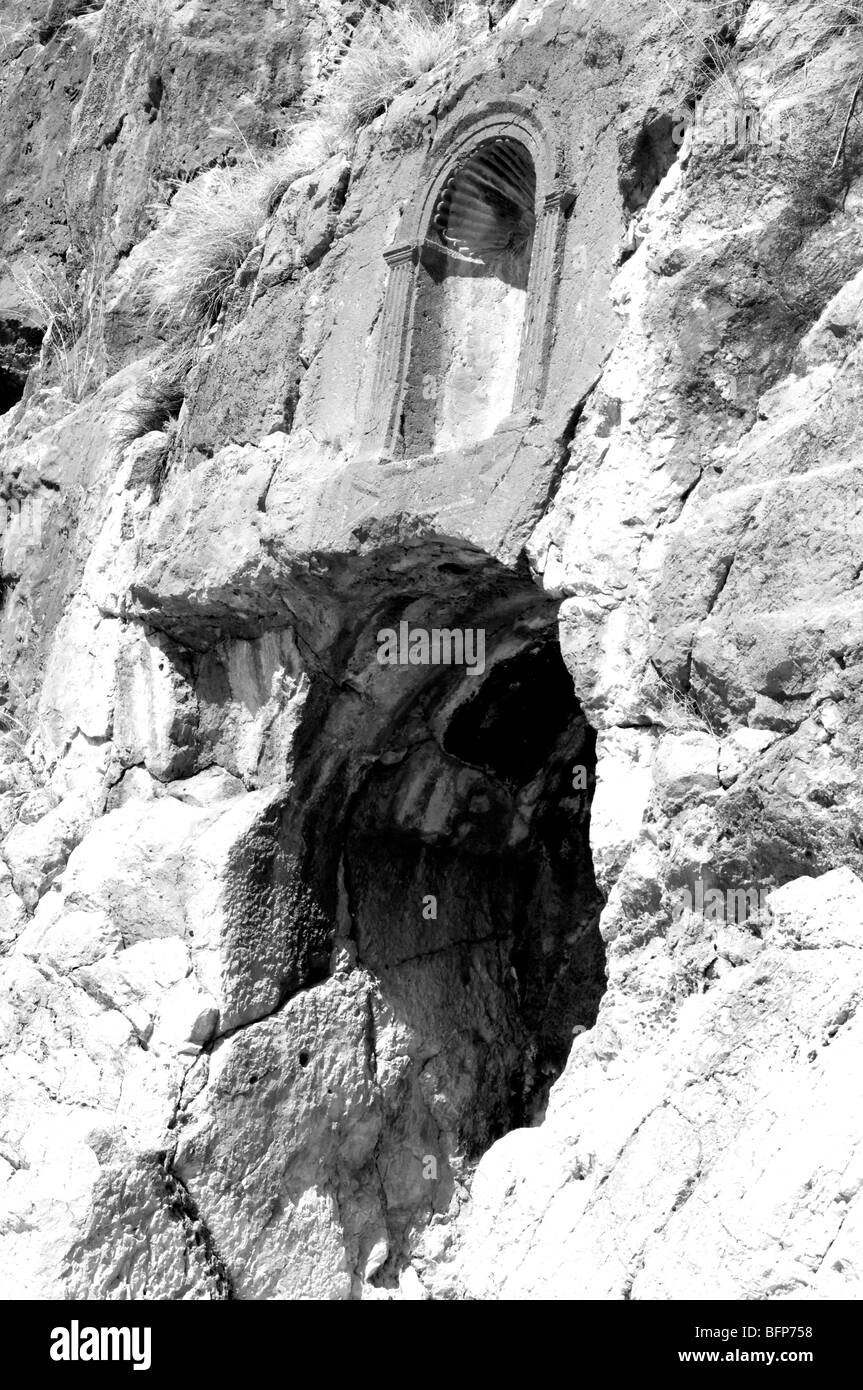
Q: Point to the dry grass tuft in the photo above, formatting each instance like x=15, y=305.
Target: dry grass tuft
x=676, y=710
x=390, y=50
x=206, y=233
x=210, y=226
x=710, y=27
x=73, y=342
x=160, y=395
x=843, y=14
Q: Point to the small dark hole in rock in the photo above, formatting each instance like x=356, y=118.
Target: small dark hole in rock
x=304, y=1059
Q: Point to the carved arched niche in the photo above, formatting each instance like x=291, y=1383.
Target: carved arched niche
x=470, y=293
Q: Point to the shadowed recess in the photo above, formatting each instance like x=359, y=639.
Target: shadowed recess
x=486, y=207
x=492, y=822
x=471, y=293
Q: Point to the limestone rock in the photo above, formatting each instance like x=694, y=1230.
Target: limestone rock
x=679, y=1140
x=328, y=972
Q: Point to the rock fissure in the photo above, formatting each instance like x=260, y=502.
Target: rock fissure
x=427, y=928
x=196, y=1235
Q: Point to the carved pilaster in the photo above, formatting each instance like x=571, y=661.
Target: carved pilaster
x=541, y=294
x=392, y=348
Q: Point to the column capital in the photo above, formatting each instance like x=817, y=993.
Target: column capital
x=399, y=255
x=559, y=198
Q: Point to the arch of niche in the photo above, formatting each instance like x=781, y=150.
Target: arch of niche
x=471, y=286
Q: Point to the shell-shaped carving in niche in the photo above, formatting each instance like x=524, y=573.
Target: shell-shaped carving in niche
x=485, y=209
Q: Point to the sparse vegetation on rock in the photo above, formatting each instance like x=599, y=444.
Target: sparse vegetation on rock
x=333, y=975
x=209, y=226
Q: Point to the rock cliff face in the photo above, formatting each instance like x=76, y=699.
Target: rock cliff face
x=534, y=974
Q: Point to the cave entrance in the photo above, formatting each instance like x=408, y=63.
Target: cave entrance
x=470, y=300
x=473, y=901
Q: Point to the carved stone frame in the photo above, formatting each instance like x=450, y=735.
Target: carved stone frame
x=554, y=198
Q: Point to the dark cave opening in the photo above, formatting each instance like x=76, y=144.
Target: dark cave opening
x=473, y=900
x=11, y=390
x=444, y=837
x=510, y=726
x=429, y=869
x=19, y=351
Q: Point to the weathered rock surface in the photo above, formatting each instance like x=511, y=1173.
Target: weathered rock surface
x=325, y=978
x=723, y=1160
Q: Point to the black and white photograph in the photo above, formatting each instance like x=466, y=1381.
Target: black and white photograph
x=431, y=671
